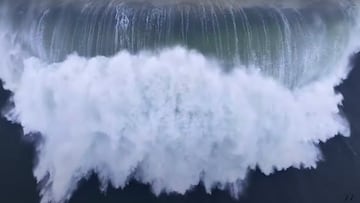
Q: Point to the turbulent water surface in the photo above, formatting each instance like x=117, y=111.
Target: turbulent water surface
x=173, y=93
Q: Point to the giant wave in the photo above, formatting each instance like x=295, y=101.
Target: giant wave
x=174, y=114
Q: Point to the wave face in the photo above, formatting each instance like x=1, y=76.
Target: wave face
x=174, y=93
x=268, y=37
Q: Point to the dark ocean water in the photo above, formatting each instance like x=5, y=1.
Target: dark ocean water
x=336, y=179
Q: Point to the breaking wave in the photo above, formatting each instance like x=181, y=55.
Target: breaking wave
x=173, y=113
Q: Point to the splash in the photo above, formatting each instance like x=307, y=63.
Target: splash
x=170, y=120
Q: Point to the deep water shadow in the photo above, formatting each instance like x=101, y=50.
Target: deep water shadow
x=17, y=184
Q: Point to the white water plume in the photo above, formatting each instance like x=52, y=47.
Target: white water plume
x=170, y=120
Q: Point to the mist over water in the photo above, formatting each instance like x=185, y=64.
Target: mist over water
x=173, y=94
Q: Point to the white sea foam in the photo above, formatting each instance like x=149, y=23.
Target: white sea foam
x=169, y=119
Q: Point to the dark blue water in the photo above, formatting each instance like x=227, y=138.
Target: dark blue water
x=336, y=180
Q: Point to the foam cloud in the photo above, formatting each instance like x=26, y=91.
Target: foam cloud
x=170, y=119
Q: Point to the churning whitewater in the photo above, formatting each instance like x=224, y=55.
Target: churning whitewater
x=174, y=113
